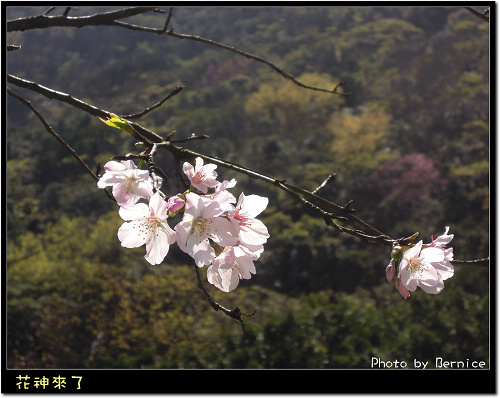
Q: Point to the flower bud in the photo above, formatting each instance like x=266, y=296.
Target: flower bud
x=390, y=271
x=174, y=204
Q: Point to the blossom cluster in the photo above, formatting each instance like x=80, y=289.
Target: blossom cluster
x=422, y=265
x=216, y=230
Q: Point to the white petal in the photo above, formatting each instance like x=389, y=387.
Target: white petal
x=157, y=247
x=407, y=279
x=255, y=233
x=129, y=235
x=134, y=212
x=198, y=164
x=223, y=232
x=213, y=276
x=229, y=279
x=202, y=252
x=108, y=179
x=114, y=166
x=253, y=205
x=431, y=286
x=432, y=254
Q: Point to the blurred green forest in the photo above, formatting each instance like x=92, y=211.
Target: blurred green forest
x=410, y=147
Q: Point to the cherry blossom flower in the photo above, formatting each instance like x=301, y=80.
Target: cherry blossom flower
x=421, y=268
x=252, y=231
x=147, y=225
x=422, y=265
x=201, y=222
x=201, y=176
x=233, y=264
x=129, y=183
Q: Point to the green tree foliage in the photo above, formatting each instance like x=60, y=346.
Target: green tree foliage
x=410, y=146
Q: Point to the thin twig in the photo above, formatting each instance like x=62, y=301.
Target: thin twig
x=167, y=22
x=112, y=18
x=482, y=262
x=323, y=185
x=235, y=314
x=180, y=153
x=138, y=115
x=231, y=49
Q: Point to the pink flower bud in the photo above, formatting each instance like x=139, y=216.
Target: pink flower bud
x=174, y=204
x=390, y=271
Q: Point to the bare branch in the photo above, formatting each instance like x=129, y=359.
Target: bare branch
x=45, y=21
x=138, y=115
x=484, y=16
x=303, y=194
x=112, y=18
x=235, y=314
x=77, y=103
x=251, y=56
x=483, y=262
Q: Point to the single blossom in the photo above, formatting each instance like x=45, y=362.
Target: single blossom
x=252, y=231
x=201, y=176
x=233, y=264
x=147, y=225
x=129, y=183
x=420, y=268
x=201, y=223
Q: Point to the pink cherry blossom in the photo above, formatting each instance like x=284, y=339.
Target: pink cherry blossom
x=233, y=264
x=201, y=176
x=147, y=225
x=201, y=222
x=418, y=269
x=129, y=183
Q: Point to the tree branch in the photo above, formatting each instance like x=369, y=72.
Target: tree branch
x=138, y=115
x=235, y=314
x=46, y=21
x=482, y=262
x=77, y=103
x=112, y=19
x=484, y=16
